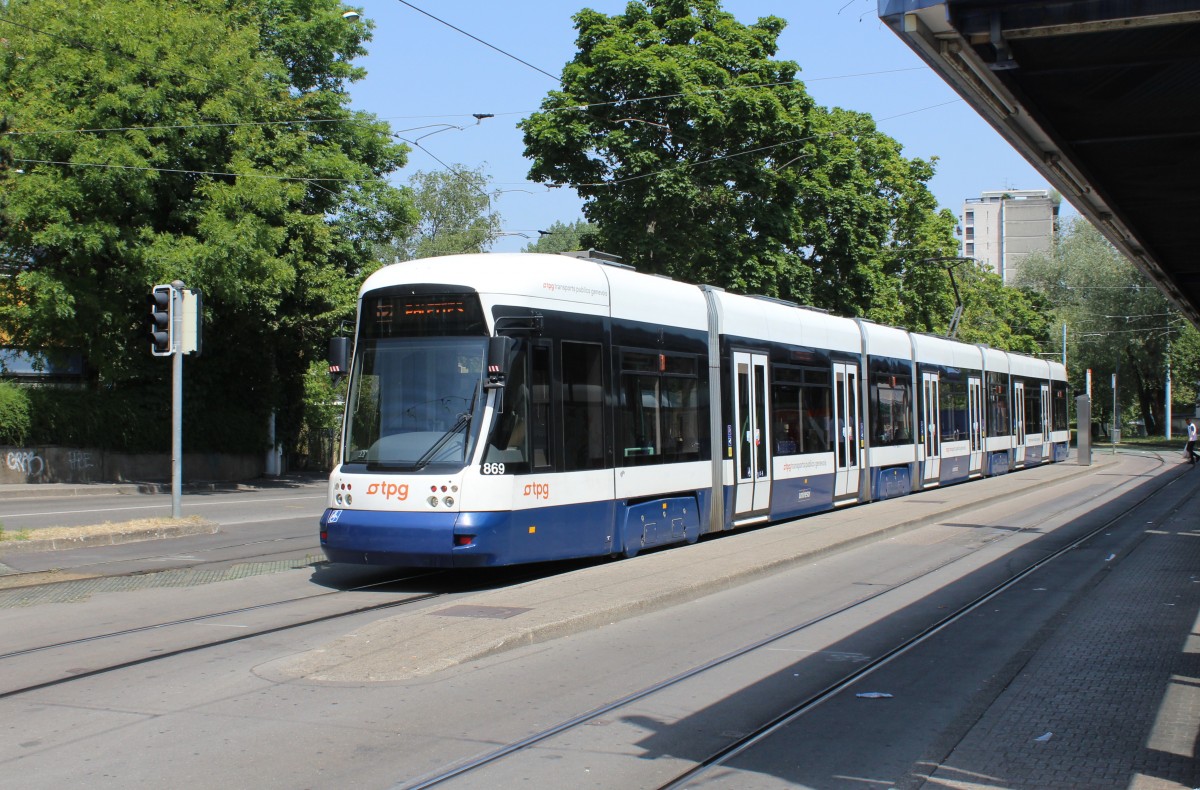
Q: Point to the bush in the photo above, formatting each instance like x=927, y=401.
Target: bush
x=321, y=418
x=14, y=414
x=137, y=419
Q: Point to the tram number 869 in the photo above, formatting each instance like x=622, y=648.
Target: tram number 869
x=493, y=469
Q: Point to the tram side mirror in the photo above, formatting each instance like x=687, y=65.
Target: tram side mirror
x=499, y=353
x=339, y=357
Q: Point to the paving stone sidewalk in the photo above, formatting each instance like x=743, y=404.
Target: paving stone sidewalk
x=1112, y=699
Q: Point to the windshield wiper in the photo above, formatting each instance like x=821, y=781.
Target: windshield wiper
x=428, y=455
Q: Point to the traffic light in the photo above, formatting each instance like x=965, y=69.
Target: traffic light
x=161, y=321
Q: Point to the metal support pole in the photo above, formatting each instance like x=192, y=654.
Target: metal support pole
x=1168, y=403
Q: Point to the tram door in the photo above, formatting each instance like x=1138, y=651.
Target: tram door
x=847, y=452
x=931, y=466
x=975, y=420
x=1019, y=422
x=753, y=434
x=1045, y=422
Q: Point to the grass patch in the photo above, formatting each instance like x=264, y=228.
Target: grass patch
x=6, y=535
x=107, y=528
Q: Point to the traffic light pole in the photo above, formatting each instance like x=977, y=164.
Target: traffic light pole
x=177, y=414
x=175, y=320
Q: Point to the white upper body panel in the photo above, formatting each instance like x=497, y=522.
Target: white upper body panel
x=949, y=353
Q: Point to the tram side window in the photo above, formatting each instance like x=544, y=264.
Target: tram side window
x=891, y=408
x=952, y=405
x=583, y=406
x=786, y=410
x=660, y=405
x=802, y=405
x=998, y=421
x=1059, y=411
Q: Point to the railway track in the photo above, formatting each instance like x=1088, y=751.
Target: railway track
x=522, y=757
x=48, y=656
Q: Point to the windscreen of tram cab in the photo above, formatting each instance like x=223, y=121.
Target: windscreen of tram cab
x=416, y=382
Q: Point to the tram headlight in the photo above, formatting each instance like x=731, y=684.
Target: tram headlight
x=433, y=501
x=448, y=501
x=338, y=499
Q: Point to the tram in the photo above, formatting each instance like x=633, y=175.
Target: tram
x=508, y=408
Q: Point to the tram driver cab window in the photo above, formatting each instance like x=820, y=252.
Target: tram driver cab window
x=520, y=434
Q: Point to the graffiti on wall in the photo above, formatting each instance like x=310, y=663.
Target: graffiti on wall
x=27, y=462
x=80, y=460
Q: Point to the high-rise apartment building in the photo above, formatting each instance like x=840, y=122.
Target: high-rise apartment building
x=1001, y=228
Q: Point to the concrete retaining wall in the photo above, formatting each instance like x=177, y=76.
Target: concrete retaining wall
x=48, y=464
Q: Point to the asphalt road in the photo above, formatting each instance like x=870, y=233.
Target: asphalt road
x=277, y=521
x=226, y=717
x=259, y=503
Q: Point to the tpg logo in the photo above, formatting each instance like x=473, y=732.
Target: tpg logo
x=389, y=490
x=538, y=490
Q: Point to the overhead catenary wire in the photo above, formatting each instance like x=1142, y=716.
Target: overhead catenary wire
x=505, y=113
x=480, y=40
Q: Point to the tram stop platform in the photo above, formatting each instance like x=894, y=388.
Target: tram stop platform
x=1113, y=689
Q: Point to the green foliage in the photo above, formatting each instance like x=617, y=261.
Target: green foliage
x=200, y=140
x=323, y=404
x=1118, y=322
x=14, y=414
x=454, y=210
x=1011, y=319
x=701, y=157
x=579, y=235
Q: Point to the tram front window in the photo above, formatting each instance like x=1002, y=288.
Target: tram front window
x=412, y=401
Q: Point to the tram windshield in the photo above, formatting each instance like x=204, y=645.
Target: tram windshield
x=416, y=383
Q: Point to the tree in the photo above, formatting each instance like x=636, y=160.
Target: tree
x=579, y=235
x=1012, y=319
x=454, y=212
x=1117, y=322
x=701, y=157
x=208, y=141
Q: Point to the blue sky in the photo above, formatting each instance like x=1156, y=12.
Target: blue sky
x=422, y=73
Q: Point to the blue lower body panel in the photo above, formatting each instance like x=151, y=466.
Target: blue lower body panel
x=1033, y=455
x=373, y=537
x=955, y=469
x=800, y=496
x=891, y=482
x=659, y=522
x=432, y=540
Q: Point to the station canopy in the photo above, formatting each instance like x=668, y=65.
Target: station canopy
x=1101, y=96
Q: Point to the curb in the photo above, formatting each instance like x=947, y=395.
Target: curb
x=8, y=548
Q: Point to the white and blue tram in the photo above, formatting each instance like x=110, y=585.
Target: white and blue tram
x=516, y=408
